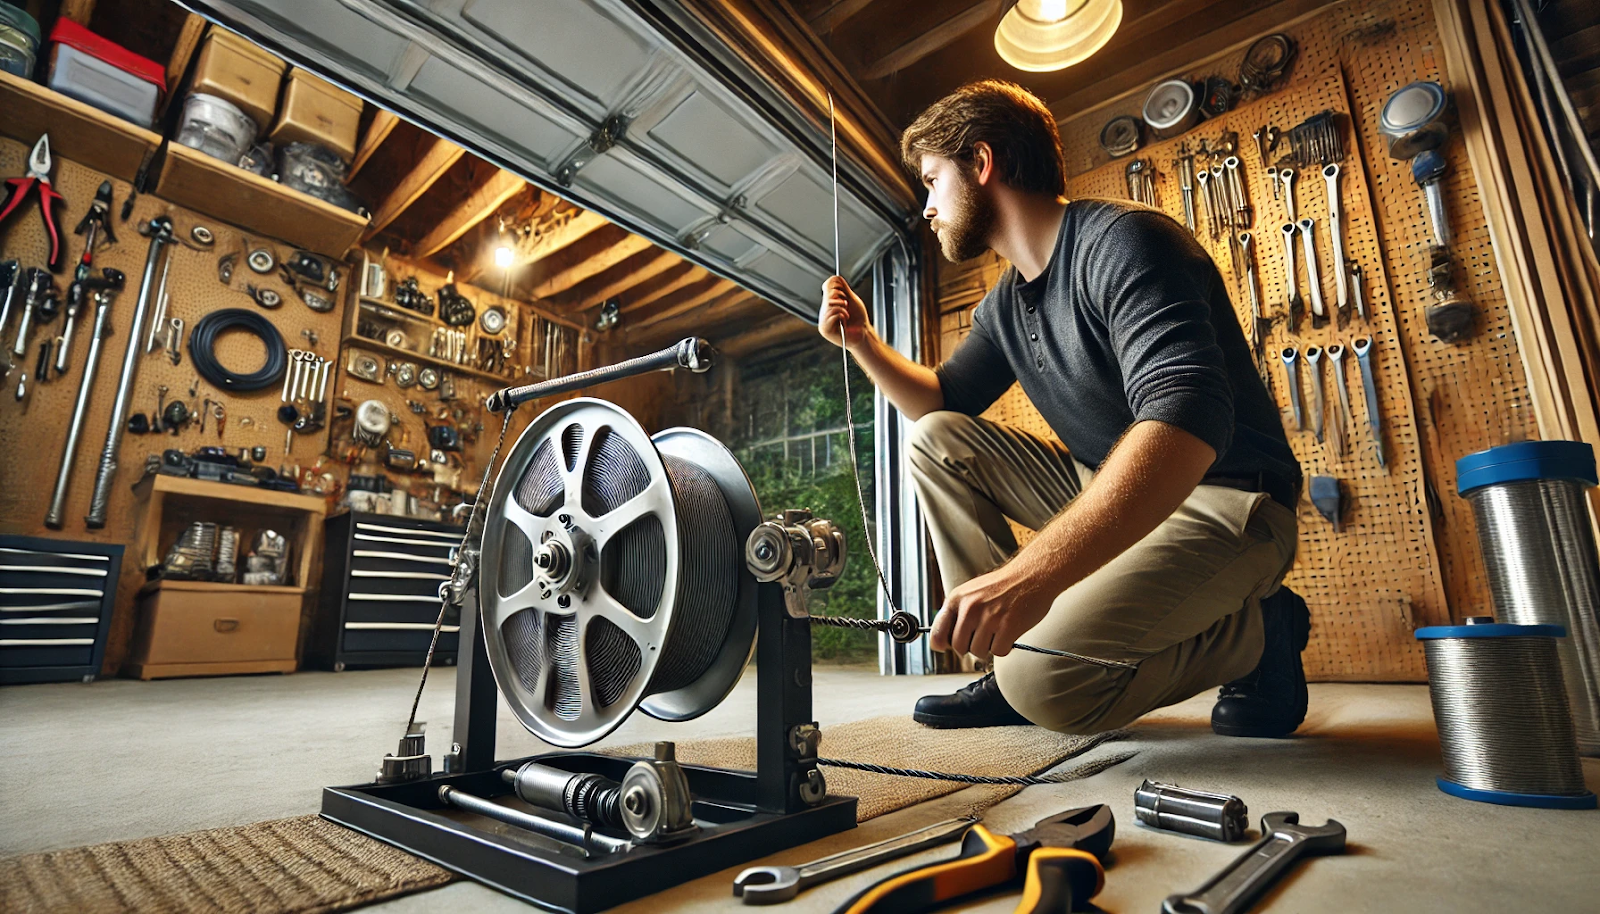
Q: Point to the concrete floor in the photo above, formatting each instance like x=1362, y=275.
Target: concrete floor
x=122, y=759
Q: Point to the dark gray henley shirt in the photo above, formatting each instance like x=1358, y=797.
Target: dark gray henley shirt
x=1130, y=321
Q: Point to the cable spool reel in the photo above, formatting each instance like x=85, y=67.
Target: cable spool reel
x=612, y=575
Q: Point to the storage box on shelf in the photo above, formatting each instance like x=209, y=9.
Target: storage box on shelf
x=380, y=592
x=316, y=111
x=104, y=74
x=199, y=628
x=239, y=72
x=79, y=132
x=55, y=608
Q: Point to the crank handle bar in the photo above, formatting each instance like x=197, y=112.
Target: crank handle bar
x=692, y=353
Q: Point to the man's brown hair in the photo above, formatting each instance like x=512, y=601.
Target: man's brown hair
x=1016, y=125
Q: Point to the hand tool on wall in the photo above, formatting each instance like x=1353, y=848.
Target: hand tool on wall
x=95, y=226
x=1291, y=367
x=1314, y=362
x=1184, y=166
x=1319, y=315
x=1192, y=812
x=1286, y=176
x=103, y=290
x=1259, y=326
x=174, y=340
x=1341, y=412
x=1294, y=306
x=1330, y=175
x=1283, y=842
x=77, y=300
x=1206, y=203
x=38, y=176
x=40, y=287
x=1061, y=856
x=1356, y=293
x=159, y=231
x=773, y=884
x=41, y=363
x=1362, y=346
x=158, y=321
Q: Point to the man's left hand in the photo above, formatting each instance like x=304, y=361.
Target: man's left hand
x=986, y=615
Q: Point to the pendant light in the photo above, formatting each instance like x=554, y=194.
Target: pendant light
x=1043, y=35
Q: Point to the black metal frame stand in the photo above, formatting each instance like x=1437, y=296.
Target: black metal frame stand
x=743, y=815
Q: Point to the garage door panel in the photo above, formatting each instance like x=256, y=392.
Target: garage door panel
x=705, y=135
x=616, y=177
x=450, y=90
x=338, y=29
x=560, y=38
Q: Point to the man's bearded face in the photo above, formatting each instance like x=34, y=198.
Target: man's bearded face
x=965, y=216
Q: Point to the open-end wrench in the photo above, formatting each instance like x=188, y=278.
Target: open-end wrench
x=1314, y=360
x=1319, y=315
x=1219, y=192
x=1355, y=291
x=1240, y=200
x=772, y=884
x=1259, y=325
x=1342, y=414
x=1291, y=367
x=1330, y=174
x=1286, y=175
x=1295, y=305
x=1206, y=202
x=1362, y=346
x=1283, y=841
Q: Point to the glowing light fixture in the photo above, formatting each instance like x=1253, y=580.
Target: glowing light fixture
x=504, y=255
x=1043, y=35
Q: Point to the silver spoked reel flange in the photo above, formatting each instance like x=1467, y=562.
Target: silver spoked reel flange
x=612, y=573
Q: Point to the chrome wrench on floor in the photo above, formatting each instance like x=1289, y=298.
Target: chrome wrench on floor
x=1330, y=174
x=772, y=884
x=1362, y=346
x=1291, y=367
x=1283, y=841
x=1314, y=359
x=1319, y=315
x=1341, y=415
x=1294, y=306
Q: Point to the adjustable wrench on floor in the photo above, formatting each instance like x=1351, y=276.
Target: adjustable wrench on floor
x=1362, y=346
x=772, y=884
x=1294, y=305
x=1330, y=175
x=1314, y=360
x=1319, y=315
x=1291, y=367
x=1283, y=841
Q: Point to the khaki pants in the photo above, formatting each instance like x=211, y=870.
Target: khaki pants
x=1183, y=603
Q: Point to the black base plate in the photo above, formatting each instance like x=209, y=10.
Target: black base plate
x=557, y=877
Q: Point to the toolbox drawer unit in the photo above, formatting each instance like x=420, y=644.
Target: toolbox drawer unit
x=55, y=608
x=380, y=592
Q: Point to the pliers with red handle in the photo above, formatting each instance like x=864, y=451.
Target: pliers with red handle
x=38, y=175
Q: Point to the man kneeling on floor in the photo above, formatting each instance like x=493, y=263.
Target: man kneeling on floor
x=1166, y=511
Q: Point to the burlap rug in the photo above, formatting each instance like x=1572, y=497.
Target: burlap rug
x=306, y=864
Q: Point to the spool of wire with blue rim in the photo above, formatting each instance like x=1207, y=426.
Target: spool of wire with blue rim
x=1530, y=503
x=1505, y=729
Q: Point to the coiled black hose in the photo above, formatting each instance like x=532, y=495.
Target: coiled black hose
x=203, y=339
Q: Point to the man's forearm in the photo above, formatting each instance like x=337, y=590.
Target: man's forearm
x=1147, y=476
x=913, y=389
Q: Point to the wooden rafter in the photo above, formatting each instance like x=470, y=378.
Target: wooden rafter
x=828, y=18
x=550, y=244
x=383, y=124
x=666, y=283
x=620, y=278
x=920, y=46
x=556, y=282
x=429, y=168
x=479, y=206
x=774, y=332
x=683, y=301
x=732, y=308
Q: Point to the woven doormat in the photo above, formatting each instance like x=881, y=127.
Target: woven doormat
x=307, y=864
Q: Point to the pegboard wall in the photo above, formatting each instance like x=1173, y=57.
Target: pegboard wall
x=1396, y=564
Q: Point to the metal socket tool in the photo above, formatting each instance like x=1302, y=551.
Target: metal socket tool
x=1217, y=816
x=773, y=884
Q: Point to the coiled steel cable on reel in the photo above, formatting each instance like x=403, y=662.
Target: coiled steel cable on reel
x=612, y=574
x=1530, y=503
x=1504, y=725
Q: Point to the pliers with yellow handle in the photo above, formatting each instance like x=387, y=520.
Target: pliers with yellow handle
x=1059, y=860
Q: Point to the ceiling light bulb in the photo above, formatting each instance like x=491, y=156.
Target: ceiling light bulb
x=503, y=256
x=1043, y=35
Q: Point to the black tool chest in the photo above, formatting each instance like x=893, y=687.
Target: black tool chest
x=55, y=608
x=380, y=592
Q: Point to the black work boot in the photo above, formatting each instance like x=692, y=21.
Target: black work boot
x=977, y=704
x=1271, y=700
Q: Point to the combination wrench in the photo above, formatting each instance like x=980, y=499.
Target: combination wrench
x=1295, y=306
x=1204, y=177
x=1291, y=367
x=1341, y=416
x=1362, y=346
x=1286, y=177
x=1283, y=841
x=1355, y=291
x=1259, y=325
x=1314, y=361
x=1319, y=315
x=1330, y=174
x=772, y=884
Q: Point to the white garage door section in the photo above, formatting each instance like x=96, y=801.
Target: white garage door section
x=594, y=101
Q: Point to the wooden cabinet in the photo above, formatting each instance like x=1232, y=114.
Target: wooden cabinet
x=380, y=592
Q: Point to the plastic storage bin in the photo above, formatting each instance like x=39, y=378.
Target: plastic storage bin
x=19, y=41
x=315, y=111
x=215, y=127
x=240, y=73
x=105, y=75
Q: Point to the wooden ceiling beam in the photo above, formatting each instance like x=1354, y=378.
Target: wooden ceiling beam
x=383, y=124
x=558, y=281
x=775, y=332
x=620, y=278
x=482, y=204
x=729, y=310
x=429, y=168
x=830, y=17
x=667, y=282
x=552, y=243
x=683, y=301
x=904, y=55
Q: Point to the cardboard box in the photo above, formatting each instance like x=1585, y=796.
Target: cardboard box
x=237, y=71
x=316, y=111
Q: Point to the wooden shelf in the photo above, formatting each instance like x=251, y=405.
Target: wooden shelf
x=215, y=587
x=223, y=491
x=395, y=312
x=194, y=180
x=361, y=342
x=86, y=135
